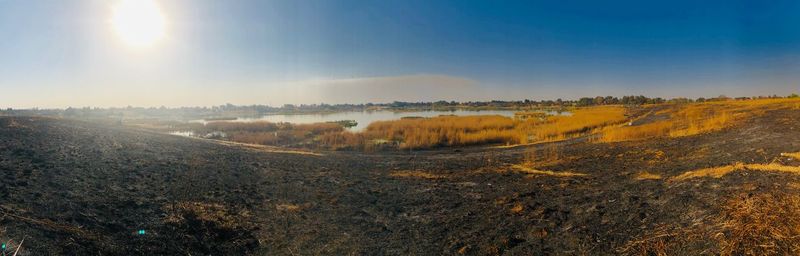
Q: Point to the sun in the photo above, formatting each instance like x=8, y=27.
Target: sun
x=138, y=23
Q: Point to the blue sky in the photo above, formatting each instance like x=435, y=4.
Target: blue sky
x=58, y=53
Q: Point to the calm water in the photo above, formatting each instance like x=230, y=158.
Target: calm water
x=364, y=118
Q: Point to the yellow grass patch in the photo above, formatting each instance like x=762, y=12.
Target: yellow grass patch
x=645, y=131
x=793, y=185
x=529, y=170
x=517, y=208
x=714, y=172
x=774, y=167
x=696, y=118
x=262, y=148
x=582, y=121
x=718, y=172
x=415, y=133
x=288, y=207
x=546, y=156
x=647, y=176
x=416, y=174
x=701, y=120
x=463, y=250
x=795, y=155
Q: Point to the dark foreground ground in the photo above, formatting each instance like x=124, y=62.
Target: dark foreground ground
x=78, y=188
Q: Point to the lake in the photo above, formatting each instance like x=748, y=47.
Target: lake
x=364, y=118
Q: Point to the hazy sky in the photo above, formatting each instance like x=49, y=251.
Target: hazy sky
x=58, y=53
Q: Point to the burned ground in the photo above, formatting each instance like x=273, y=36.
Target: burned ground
x=73, y=187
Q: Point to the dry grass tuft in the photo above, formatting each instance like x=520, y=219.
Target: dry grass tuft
x=463, y=250
x=718, y=172
x=518, y=208
x=795, y=155
x=645, y=131
x=546, y=156
x=765, y=224
x=774, y=167
x=714, y=172
x=529, y=170
x=647, y=176
x=416, y=174
x=654, y=244
x=288, y=207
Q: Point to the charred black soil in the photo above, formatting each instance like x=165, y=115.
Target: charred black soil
x=80, y=188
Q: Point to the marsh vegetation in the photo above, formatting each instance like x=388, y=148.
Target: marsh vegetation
x=599, y=124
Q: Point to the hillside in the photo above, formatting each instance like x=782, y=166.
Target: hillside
x=73, y=187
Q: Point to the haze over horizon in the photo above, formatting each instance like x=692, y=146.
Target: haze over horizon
x=202, y=53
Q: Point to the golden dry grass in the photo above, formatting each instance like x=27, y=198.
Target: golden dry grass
x=582, y=121
x=463, y=250
x=472, y=130
x=261, y=133
x=529, y=170
x=288, y=207
x=684, y=120
x=718, y=172
x=647, y=176
x=795, y=155
x=655, y=243
x=444, y=131
x=518, y=208
x=764, y=224
x=546, y=156
x=774, y=167
x=416, y=174
x=714, y=172
x=645, y=131
x=747, y=224
x=697, y=118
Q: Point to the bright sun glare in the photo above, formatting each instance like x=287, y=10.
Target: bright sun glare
x=138, y=23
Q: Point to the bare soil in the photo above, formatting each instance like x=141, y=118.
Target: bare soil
x=79, y=188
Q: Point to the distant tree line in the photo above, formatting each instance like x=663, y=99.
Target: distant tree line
x=231, y=110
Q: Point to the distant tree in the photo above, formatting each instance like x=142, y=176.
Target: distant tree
x=794, y=95
x=599, y=100
x=679, y=100
x=585, y=101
